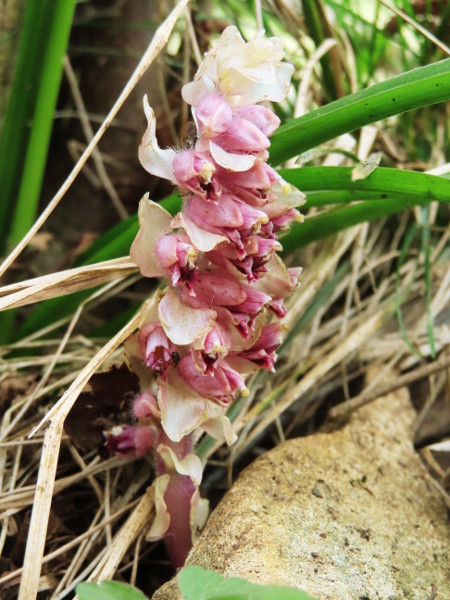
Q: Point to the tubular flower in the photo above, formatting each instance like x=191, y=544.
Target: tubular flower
x=156, y=348
x=200, y=337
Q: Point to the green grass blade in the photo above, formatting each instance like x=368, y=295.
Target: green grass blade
x=414, y=89
x=319, y=29
x=29, y=117
x=335, y=220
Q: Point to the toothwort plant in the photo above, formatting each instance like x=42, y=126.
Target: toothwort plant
x=209, y=328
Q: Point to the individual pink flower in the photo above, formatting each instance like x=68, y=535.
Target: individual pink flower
x=178, y=257
x=219, y=386
x=212, y=349
x=216, y=122
x=257, y=251
x=213, y=116
x=158, y=351
x=130, y=441
x=262, y=353
x=145, y=406
x=196, y=172
x=229, y=218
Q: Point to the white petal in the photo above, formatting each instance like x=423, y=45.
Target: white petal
x=276, y=282
x=199, y=514
x=154, y=223
x=162, y=519
x=190, y=465
x=182, y=323
x=287, y=194
x=154, y=160
x=202, y=240
x=182, y=409
x=220, y=428
x=232, y=162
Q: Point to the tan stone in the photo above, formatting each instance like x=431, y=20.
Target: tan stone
x=351, y=514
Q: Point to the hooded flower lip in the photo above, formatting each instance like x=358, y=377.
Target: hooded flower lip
x=145, y=406
x=213, y=116
x=214, y=348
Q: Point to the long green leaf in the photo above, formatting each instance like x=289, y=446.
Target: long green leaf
x=414, y=89
x=387, y=184
x=319, y=29
x=332, y=221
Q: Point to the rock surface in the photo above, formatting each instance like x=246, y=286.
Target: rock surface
x=351, y=514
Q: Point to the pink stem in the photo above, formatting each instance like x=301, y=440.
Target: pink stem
x=178, y=497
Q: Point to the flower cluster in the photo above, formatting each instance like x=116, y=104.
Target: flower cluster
x=200, y=337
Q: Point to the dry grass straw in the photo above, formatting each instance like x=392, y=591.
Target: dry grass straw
x=65, y=282
x=329, y=352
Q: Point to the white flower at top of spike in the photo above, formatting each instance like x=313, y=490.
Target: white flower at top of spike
x=245, y=73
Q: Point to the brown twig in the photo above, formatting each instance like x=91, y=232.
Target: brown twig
x=341, y=412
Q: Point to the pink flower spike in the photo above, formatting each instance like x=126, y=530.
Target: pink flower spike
x=130, y=442
x=156, y=348
x=213, y=115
